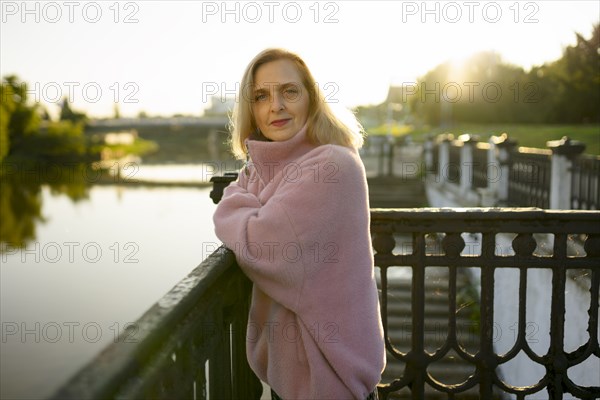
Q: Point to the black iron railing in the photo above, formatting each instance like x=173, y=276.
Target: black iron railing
x=586, y=183
x=191, y=343
x=450, y=224
x=529, y=181
x=559, y=177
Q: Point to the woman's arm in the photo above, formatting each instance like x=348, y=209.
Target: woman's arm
x=280, y=239
x=263, y=240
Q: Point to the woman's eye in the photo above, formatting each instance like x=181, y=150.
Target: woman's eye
x=260, y=97
x=291, y=93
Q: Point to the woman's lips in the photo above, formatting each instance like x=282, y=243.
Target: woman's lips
x=279, y=122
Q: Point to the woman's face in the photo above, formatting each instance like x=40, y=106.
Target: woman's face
x=280, y=100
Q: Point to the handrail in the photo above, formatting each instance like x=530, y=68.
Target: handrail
x=178, y=332
x=529, y=228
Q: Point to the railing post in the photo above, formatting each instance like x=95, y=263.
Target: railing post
x=381, y=164
x=444, y=156
x=564, y=151
x=220, y=183
x=505, y=148
x=489, y=193
x=466, y=161
x=428, y=153
x=390, y=154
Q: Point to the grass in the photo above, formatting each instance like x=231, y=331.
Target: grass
x=528, y=135
x=139, y=147
x=396, y=130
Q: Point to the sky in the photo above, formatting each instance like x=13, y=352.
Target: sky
x=174, y=57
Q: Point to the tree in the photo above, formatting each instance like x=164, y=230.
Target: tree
x=563, y=91
x=484, y=90
x=19, y=120
x=20, y=133
x=67, y=114
x=7, y=107
x=576, y=79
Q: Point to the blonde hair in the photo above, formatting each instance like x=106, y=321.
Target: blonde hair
x=324, y=125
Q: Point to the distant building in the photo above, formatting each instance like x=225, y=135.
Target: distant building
x=220, y=106
x=395, y=107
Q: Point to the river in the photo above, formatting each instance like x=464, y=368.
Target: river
x=93, y=260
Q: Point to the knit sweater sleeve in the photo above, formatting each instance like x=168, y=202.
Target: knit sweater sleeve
x=262, y=237
x=283, y=234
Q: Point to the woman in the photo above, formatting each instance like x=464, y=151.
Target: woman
x=297, y=220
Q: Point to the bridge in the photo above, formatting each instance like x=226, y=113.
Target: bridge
x=218, y=122
x=185, y=140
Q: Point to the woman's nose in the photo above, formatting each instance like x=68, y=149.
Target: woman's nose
x=278, y=102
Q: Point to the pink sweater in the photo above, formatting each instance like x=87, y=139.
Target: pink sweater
x=299, y=227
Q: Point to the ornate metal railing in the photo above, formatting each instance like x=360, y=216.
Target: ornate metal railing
x=585, y=192
x=387, y=225
x=191, y=343
x=529, y=182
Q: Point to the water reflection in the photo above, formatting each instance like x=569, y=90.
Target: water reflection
x=197, y=173
x=85, y=260
x=21, y=200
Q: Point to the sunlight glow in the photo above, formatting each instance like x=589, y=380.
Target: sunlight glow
x=131, y=58
x=458, y=67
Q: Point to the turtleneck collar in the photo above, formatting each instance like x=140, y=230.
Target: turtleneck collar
x=270, y=157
